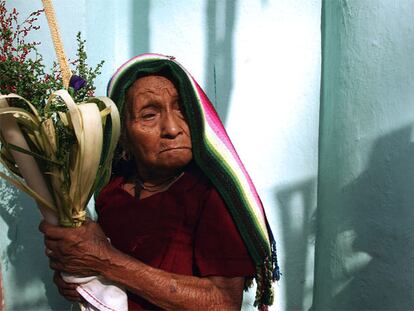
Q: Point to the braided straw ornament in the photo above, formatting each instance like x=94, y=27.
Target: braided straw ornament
x=57, y=42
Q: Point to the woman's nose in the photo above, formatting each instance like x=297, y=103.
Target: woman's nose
x=170, y=126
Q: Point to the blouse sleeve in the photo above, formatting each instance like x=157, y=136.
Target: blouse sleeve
x=218, y=247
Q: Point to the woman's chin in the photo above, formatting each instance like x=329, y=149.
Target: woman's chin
x=175, y=160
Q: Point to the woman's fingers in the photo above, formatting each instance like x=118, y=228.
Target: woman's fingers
x=48, y=251
x=52, y=249
x=51, y=231
x=67, y=290
x=81, y=251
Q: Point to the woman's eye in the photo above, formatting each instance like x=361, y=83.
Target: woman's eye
x=179, y=113
x=148, y=116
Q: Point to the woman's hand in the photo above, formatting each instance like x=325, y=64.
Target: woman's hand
x=85, y=251
x=67, y=290
x=82, y=251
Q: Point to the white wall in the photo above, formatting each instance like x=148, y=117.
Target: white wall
x=259, y=61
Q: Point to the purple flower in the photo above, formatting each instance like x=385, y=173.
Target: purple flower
x=76, y=82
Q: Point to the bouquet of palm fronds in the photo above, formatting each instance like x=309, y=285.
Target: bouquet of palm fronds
x=57, y=140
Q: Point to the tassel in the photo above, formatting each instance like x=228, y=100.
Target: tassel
x=275, y=266
x=264, y=279
x=265, y=276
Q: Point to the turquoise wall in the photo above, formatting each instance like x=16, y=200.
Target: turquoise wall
x=366, y=170
x=258, y=60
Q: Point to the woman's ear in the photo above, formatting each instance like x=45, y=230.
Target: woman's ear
x=123, y=144
x=125, y=154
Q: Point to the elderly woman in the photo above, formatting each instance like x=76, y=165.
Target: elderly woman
x=185, y=224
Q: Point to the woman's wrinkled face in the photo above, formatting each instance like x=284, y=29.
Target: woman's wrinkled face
x=156, y=129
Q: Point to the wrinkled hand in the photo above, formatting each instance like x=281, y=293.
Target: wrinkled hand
x=67, y=290
x=82, y=251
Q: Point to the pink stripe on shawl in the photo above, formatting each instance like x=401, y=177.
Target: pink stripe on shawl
x=215, y=123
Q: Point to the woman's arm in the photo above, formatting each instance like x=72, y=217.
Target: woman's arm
x=86, y=251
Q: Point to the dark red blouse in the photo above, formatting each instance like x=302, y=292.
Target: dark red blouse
x=185, y=230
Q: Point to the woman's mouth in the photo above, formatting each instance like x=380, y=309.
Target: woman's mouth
x=175, y=148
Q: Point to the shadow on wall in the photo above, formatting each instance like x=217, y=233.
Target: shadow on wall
x=297, y=217
x=141, y=27
x=221, y=17
x=25, y=254
x=377, y=226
